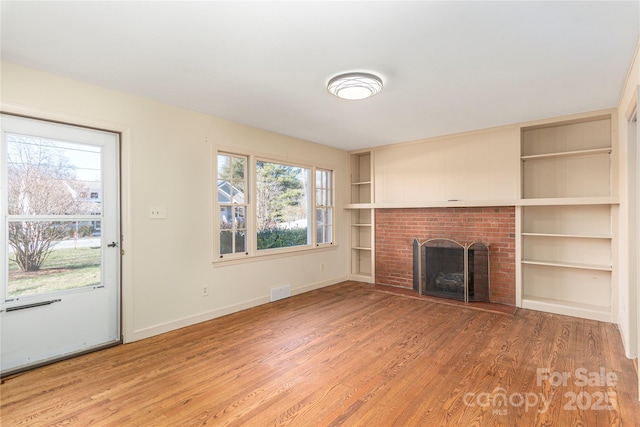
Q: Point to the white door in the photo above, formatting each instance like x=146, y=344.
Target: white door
x=60, y=234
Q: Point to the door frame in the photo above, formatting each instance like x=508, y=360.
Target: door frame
x=632, y=146
x=124, y=132
x=35, y=338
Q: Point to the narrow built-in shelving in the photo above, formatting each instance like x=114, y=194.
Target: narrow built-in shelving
x=361, y=198
x=566, y=233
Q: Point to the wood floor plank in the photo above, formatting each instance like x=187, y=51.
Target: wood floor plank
x=345, y=355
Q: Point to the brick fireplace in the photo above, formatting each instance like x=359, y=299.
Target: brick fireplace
x=397, y=228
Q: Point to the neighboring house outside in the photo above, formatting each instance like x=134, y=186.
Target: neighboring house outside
x=89, y=194
x=225, y=190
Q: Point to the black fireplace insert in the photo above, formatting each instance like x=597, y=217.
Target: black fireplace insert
x=449, y=269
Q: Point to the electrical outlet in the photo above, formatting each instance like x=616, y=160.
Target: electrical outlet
x=157, y=212
x=205, y=291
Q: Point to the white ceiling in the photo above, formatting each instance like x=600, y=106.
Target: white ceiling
x=448, y=67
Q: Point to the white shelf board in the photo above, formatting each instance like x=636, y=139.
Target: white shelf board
x=361, y=183
x=359, y=206
x=568, y=265
x=559, y=201
x=605, y=150
x=572, y=236
x=565, y=201
x=361, y=248
x=586, y=311
x=442, y=204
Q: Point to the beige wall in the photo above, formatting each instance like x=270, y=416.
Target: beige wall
x=167, y=157
x=472, y=168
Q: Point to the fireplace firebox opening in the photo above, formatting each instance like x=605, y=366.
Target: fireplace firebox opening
x=449, y=269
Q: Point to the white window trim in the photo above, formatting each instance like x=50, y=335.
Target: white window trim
x=253, y=254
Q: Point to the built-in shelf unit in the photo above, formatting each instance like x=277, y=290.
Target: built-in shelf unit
x=362, y=216
x=566, y=230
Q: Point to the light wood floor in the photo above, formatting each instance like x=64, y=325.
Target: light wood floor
x=344, y=355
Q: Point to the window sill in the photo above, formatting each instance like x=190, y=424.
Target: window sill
x=269, y=256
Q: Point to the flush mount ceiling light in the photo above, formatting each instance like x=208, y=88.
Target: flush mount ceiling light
x=355, y=85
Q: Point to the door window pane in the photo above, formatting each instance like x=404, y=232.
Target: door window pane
x=49, y=177
x=50, y=256
x=60, y=181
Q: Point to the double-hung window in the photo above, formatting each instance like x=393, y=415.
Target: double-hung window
x=266, y=206
x=324, y=206
x=232, y=204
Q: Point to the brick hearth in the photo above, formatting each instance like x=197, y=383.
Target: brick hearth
x=495, y=226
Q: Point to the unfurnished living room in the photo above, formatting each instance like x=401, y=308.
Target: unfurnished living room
x=319, y=213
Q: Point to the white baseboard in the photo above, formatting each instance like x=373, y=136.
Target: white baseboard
x=162, y=328
x=313, y=286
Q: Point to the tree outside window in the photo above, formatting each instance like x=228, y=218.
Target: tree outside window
x=282, y=199
x=41, y=182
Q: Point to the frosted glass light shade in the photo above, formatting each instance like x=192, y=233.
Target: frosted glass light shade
x=355, y=86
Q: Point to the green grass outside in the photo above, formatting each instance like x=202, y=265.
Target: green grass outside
x=64, y=269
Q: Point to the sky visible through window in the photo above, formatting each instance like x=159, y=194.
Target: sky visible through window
x=84, y=159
